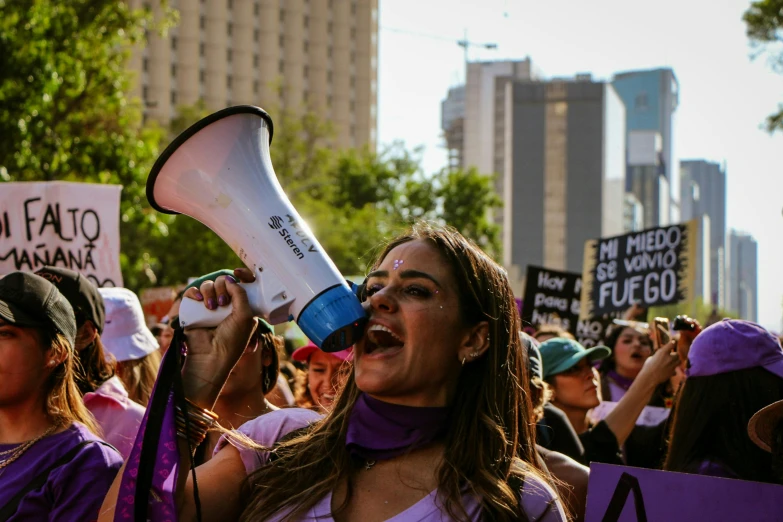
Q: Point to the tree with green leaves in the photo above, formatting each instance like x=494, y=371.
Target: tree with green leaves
x=64, y=111
x=764, y=21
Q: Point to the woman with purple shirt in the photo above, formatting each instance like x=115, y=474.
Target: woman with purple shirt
x=734, y=369
x=433, y=422
x=52, y=466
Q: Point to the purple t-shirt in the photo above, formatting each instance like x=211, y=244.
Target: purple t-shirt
x=536, y=497
x=74, y=491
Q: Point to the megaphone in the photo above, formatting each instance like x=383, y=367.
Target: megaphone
x=219, y=171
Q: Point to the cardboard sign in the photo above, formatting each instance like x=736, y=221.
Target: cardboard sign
x=70, y=225
x=156, y=302
x=653, y=267
x=551, y=297
x=624, y=494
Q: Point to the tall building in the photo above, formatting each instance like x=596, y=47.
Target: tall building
x=651, y=98
x=298, y=54
x=452, y=122
x=742, y=275
x=561, y=144
x=644, y=177
x=633, y=213
x=703, y=192
x=468, y=112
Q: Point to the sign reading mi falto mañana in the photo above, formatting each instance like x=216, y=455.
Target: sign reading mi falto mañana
x=652, y=267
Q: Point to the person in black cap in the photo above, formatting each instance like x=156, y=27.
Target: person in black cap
x=104, y=394
x=46, y=433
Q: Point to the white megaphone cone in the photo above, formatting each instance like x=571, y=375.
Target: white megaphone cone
x=219, y=172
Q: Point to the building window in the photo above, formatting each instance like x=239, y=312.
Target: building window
x=329, y=76
x=307, y=21
x=144, y=64
x=174, y=70
x=255, y=60
x=353, y=32
x=173, y=97
x=282, y=15
x=282, y=41
x=229, y=55
x=256, y=35
x=173, y=43
x=306, y=71
x=256, y=9
x=640, y=102
x=329, y=51
x=202, y=75
x=329, y=101
x=230, y=28
x=145, y=93
x=202, y=22
x=230, y=4
x=229, y=81
x=281, y=66
x=201, y=49
x=306, y=46
x=255, y=86
x=329, y=27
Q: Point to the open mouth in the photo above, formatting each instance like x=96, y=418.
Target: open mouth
x=638, y=356
x=382, y=341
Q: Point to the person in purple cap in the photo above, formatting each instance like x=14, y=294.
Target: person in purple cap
x=433, y=422
x=323, y=377
x=734, y=369
x=52, y=465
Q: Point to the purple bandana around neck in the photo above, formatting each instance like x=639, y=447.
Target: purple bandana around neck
x=379, y=430
x=622, y=382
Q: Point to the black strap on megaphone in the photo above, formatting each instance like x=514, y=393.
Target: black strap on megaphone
x=625, y=486
x=169, y=380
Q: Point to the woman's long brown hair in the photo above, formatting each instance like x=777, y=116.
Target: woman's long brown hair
x=490, y=441
x=138, y=376
x=63, y=398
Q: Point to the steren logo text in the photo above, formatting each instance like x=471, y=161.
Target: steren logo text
x=276, y=223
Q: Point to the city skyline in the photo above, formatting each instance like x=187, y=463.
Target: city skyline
x=724, y=96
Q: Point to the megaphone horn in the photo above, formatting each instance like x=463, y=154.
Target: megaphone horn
x=219, y=171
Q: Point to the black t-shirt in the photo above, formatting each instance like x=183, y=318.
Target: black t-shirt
x=599, y=444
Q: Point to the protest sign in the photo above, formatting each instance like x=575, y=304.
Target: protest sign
x=70, y=225
x=551, y=297
x=653, y=267
x=624, y=494
x=156, y=302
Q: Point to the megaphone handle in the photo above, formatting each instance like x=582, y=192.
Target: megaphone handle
x=193, y=314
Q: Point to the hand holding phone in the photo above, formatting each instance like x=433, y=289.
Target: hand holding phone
x=660, y=333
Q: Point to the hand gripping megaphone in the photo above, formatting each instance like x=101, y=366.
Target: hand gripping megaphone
x=219, y=172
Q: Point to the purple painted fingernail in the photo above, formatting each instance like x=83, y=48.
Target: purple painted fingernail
x=199, y=296
x=211, y=303
x=231, y=279
x=222, y=300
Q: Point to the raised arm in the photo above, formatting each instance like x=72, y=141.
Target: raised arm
x=657, y=369
x=212, y=354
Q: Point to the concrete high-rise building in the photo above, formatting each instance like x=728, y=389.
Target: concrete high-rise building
x=469, y=111
x=651, y=98
x=703, y=192
x=452, y=122
x=561, y=144
x=645, y=179
x=298, y=54
x=742, y=275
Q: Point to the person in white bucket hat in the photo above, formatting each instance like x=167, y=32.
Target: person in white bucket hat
x=128, y=339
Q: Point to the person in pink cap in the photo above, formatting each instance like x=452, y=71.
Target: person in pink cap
x=322, y=379
x=734, y=369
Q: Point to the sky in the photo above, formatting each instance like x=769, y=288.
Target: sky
x=724, y=94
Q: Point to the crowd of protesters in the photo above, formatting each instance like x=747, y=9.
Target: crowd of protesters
x=443, y=410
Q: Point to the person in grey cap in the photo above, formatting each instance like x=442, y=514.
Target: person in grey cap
x=52, y=464
x=734, y=369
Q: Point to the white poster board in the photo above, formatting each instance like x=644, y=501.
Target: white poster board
x=57, y=223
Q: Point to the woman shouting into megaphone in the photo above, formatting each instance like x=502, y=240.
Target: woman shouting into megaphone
x=432, y=423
